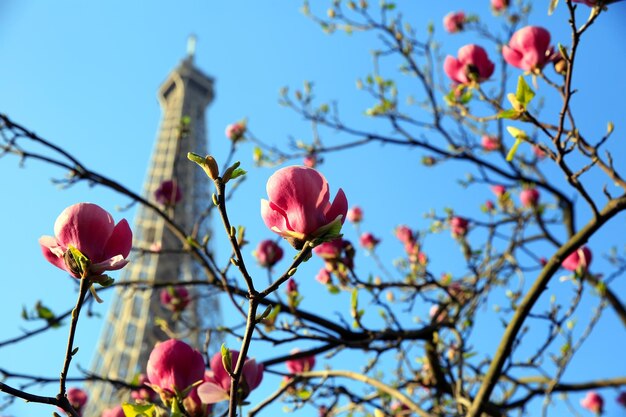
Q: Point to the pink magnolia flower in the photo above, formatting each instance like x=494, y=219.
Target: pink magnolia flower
x=621, y=398
x=368, y=241
x=355, y=214
x=77, y=398
x=310, y=161
x=169, y=193
x=304, y=364
x=529, y=197
x=113, y=412
x=453, y=22
x=529, y=49
x=498, y=6
x=299, y=206
x=235, y=131
x=268, y=253
x=292, y=286
x=193, y=404
x=458, y=226
x=399, y=409
x=217, y=388
x=323, y=276
x=498, y=190
x=539, y=153
x=438, y=313
x=472, y=64
x=489, y=205
x=579, y=259
x=490, y=143
x=593, y=402
x=90, y=229
x=174, y=366
x=404, y=234
x=175, y=299
x=145, y=393
x=331, y=250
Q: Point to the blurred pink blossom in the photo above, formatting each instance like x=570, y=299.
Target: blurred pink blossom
x=268, y=253
x=169, y=193
x=368, y=241
x=77, y=398
x=355, y=214
x=113, y=412
x=593, y=402
x=529, y=49
x=490, y=143
x=453, y=22
x=323, y=276
x=472, y=64
x=145, y=393
x=217, y=387
x=458, y=226
x=175, y=299
x=529, y=197
x=304, y=364
x=579, y=259
x=498, y=6
x=235, y=131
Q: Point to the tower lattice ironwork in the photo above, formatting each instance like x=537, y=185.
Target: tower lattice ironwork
x=136, y=319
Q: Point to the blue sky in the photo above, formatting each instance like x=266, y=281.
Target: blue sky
x=85, y=76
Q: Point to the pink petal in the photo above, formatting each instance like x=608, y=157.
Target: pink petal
x=253, y=373
x=220, y=376
x=476, y=56
x=120, y=242
x=455, y=70
x=52, y=251
x=513, y=57
x=338, y=208
x=111, y=264
x=211, y=393
x=85, y=226
x=273, y=218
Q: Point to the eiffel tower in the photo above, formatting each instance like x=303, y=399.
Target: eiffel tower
x=135, y=320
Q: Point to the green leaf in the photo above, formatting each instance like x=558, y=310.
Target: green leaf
x=509, y=114
x=237, y=173
x=601, y=288
x=227, y=359
x=354, y=300
x=524, y=93
x=44, y=312
x=519, y=136
x=138, y=410
x=517, y=133
x=553, y=4
x=304, y=394
x=333, y=289
x=265, y=313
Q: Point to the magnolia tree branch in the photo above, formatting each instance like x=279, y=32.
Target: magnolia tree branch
x=502, y=353
x=370, y=381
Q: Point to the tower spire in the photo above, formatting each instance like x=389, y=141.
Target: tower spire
x=136, y=320
x=191, y=46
